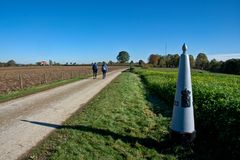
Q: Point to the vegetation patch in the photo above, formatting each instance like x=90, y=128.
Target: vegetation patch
x=217, y=109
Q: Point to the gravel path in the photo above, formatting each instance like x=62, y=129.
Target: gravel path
x=54, y=106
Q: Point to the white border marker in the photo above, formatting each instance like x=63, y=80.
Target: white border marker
x=182, y=125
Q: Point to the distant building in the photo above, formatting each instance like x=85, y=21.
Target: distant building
x=44, y=63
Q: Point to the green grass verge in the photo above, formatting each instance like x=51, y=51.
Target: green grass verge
x=119, y=123
x=31, y=90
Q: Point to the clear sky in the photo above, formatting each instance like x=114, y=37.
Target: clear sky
x=83, y=31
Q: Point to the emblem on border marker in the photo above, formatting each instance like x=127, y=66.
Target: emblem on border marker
x=185, y=98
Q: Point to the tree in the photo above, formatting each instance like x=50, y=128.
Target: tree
x=123, y=57
x=162, y=61
x=110, y=62
x=50, y=62
x=2, y=64
x=215, y=66
x=167, y=60
x=11, y=63
x=153, y=59
x=201, y=61
x=173, y=60
x=141, y=63
x=231, y=66
x=192, y=61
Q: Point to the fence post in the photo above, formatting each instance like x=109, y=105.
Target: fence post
x=62, y=75
x=21, y=81
x=45, y=78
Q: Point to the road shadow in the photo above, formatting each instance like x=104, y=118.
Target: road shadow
x=56, y=126
x=159, y=146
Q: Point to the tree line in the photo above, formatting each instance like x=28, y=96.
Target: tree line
x=9, y=63
x=231, y=66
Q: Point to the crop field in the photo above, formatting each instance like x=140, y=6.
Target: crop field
x=15, y=78
x=216, y=99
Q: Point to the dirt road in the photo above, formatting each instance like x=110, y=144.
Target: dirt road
x=54, y=106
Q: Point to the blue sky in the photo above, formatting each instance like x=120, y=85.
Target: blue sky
x=83, y=31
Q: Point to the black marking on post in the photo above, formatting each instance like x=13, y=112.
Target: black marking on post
x=185, y=98
x=176, y=103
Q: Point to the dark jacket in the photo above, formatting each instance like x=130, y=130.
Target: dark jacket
x=104, y=68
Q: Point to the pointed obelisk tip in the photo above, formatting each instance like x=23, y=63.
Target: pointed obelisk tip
x=184, y=48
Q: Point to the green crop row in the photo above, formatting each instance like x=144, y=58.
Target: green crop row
x=216, y=99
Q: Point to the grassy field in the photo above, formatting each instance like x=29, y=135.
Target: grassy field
x=122, y=122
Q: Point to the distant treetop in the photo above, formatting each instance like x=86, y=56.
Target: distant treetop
x=123, y=57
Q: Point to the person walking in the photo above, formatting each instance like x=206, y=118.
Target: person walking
x=104, y=69
x=95, y=70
